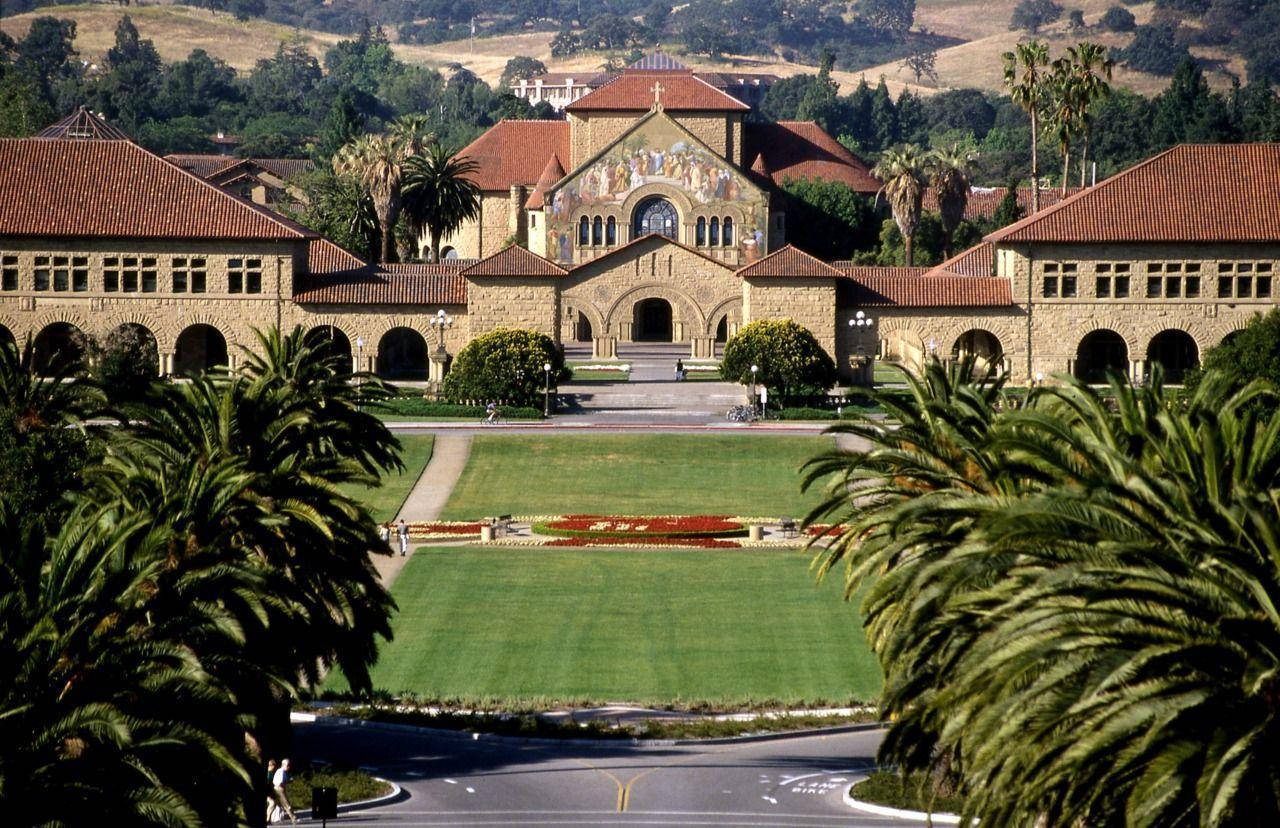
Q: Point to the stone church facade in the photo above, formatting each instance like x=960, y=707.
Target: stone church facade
x=661, y=222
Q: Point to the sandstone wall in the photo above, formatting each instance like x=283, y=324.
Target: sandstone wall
x=810, y=302
x=532, y=303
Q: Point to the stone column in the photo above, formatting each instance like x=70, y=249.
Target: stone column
x=437, y=360
x=677, y=330
x=703, y=347
x=624, y=331
x=604, y=347
x=1137, y=368
x=166, y=364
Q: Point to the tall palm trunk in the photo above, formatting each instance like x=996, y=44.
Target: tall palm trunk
x=1084, y=156
x=1035, y=162
x=1066, y=166
x=910, y=244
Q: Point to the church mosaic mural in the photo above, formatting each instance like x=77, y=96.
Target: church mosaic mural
x=658, y=152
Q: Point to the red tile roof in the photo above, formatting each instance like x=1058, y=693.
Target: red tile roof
x=553, y=172
x=633, y=91
x=978, y=260
x=516, y=152
x=876, y=290
x=790, y=262
x=1191, y=193
x=202, y=164
x=514, y=261
x=801, y=149
x=382, y=288
x=848, y=268
x=117, y=189
x=83, y=125
x=983, y=201
x=326, y=258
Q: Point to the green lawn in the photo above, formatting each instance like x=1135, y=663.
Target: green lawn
x=535, y=626
x=384, y=501
x=650, y=474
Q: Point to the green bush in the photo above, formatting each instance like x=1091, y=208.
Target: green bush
x=1118, y=19
x=915, y=792
x=504, y=365
x=418, y=406
x=353, y=785
x=128, y=362
x=1252, y=353
x=791, y=362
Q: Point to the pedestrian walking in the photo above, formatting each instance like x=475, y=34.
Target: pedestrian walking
x=272, y=807
x=385, y=532
x=403, y=532
x=679, y=370
x=278, y=782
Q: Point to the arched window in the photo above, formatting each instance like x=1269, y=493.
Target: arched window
x=584, y=231
x=597, y=231
x=727, y=236
x=656, y=215
x=701, y=231
x=715, y=232
x=611, y=231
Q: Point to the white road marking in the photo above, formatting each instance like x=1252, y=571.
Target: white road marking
x=471, y=790
x=769, y=799
x=452, y=781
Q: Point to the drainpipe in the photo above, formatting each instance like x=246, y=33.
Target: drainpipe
x=1030, y=281
x=279, y=292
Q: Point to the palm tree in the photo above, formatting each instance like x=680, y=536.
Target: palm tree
x=902, y=171
x=1063, y=116
x=1024, y=77
x=1074, y=602
x=439, y=195
x=1091, y=68
x=949, y=178
x=374, y=162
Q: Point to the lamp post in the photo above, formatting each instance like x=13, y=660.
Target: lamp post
x=546, y=394
x=859, y=323
x=441, y=322
x=754, y=369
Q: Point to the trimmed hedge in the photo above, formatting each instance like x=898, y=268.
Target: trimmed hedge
x=427, y=409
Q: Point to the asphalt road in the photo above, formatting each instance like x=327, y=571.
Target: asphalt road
x=455, y=780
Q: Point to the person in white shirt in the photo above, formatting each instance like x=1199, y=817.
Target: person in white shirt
x=278, y=782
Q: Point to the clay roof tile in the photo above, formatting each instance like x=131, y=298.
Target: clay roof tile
x=802, y=149
x=790, y=262
x=514, y=260
x=515, y=152
x=552, y=173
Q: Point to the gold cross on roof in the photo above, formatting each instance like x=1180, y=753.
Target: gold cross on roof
x=657, y=91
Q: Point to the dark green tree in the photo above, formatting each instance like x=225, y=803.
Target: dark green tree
x=829, y=220
x=47, y=54
x=505, y=366
x=790, y=361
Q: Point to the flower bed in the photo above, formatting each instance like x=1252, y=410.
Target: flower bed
x=648, y=542
x=603, y=527
x=447, y=529
x=823, y=530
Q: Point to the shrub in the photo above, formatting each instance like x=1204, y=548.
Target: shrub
x=504, y=365
x=1246, y=355
x=1118, y=19
x=791, y=362
x=128, y=363
x=1155, y=49
x=1030, y=15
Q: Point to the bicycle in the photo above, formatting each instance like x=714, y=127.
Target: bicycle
x=493, y=416
x=742, y=414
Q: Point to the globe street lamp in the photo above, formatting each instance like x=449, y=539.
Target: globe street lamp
x=546, y=396
x=754, y=369
x=859, y=323
x=441, y=322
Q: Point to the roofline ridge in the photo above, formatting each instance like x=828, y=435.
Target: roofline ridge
x=1045, y=212
x=646, y=237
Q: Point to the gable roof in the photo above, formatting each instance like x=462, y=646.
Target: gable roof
x=872, y=290
x=649, y=238
x=202, y=164
x=94, y=188
x=790, y=262
x=514, y=260
x=83, y=125
x=1190, y=193
x=336, y=276
x=632, y=90
x=978, y=260
x=552, y=173
x=802, y=149
x=515, y=152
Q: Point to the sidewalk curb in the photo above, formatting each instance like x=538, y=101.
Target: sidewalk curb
x=467, y=736
x=897, y=813
x=363, y=804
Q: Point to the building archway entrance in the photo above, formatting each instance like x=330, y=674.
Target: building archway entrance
x=652, y=321
x=402, y=354
x=199, y=348
x=60, y=347
x=331, y=342
x=7, y=339
x=1100, y=352
x=583, y=333
x=1176, y=351
x=983, y=346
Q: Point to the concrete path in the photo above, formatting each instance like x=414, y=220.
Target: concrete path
x=426, y=501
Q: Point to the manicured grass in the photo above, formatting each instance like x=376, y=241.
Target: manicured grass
x=353, y=785
x=530, y=627
x=914, y=793
x=384, y=501
x=650, y=474
x=600, y=376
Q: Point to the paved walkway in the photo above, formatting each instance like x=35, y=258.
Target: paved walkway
x=426, y=501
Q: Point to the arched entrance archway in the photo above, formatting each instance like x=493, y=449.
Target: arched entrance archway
x=402, y=354
x=1099, y=352
x=198, y=349
x=331, y=342
x=583, y=332
x=656, y=215
x=1176, y=352
x=981, y=344
x=136, y=346
x=60, y=347
x=722, y=330
x=652, y=322
x=904, y=347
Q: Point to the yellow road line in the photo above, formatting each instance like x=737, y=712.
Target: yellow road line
x=622, y=790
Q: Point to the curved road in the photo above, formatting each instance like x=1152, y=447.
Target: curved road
x=457, y=780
